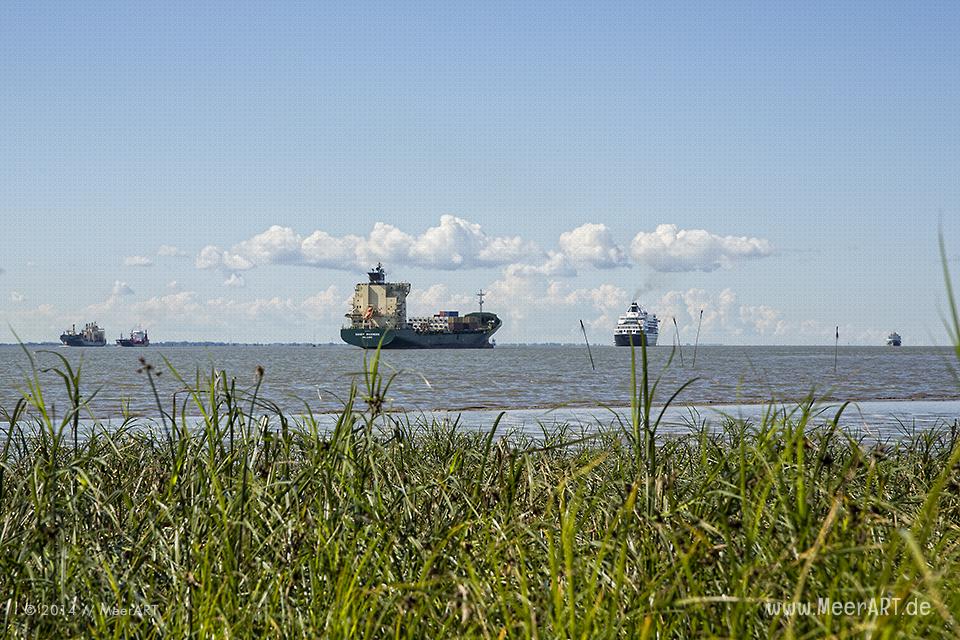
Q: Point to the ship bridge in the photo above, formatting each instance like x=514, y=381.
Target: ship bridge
x=378, y=304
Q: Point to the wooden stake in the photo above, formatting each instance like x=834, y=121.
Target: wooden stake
x=679, y=344
x=836, y=349
x=584, y=329
x=697, y=342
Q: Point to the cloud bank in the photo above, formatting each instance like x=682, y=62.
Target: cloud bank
x=456, y=243
x=453, y=244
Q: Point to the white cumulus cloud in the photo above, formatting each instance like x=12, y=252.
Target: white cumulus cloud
x=454, y=243
x=168, y=250
x=211, y=257
x=726, y=319
x=137, y=261
x=275, y=245
x=235, y=280
x=426, y=302
x=592, y=244
x=121, y=289
x=320, y=249
x=523, y=296
x=556, y=264
x=763, y=319
x=670, y=248
x=172, y=306
x=326, y=304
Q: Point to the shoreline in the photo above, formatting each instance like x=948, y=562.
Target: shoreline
x=707, y=404
x=676, y=406
x=876, y=420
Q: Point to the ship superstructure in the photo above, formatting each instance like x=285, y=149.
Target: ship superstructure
x=91, y=336
x=378, y=316
x=634, y=324
x=893, y=340
x=379, y=304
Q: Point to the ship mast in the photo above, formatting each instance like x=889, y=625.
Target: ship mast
x=480, y=295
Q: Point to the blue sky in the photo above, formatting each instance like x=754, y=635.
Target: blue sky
x=816, y=146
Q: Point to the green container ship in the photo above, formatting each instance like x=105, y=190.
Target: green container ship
x=378, y=317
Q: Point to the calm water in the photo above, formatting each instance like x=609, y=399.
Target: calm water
x=506, y=377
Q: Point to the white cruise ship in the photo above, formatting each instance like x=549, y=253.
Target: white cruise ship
x=633, y=323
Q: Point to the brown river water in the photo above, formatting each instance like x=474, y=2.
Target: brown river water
x=915, y=385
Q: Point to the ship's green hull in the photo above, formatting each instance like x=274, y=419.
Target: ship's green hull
x=73, y=340
x=410, y=339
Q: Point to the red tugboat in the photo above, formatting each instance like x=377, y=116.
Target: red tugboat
x=137, y=338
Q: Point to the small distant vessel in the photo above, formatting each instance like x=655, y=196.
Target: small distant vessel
x=138, y=338
x=91, y=336
x=893, y=340
x=379, y=317
x=636, y=323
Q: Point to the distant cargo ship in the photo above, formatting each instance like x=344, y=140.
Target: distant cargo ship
x=636, y=323
x=379, y=313
x=138, y=338
x=893, y=340
x=91, y=336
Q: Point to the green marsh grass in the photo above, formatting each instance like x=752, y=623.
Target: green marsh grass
x=229, y=518
x=248, y=522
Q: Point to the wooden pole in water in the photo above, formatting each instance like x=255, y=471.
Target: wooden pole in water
x=697, y=341
x=836, y=349
x=584, y=329
x=679, y=344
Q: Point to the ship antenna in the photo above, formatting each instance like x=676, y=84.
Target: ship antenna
x=480, y=295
